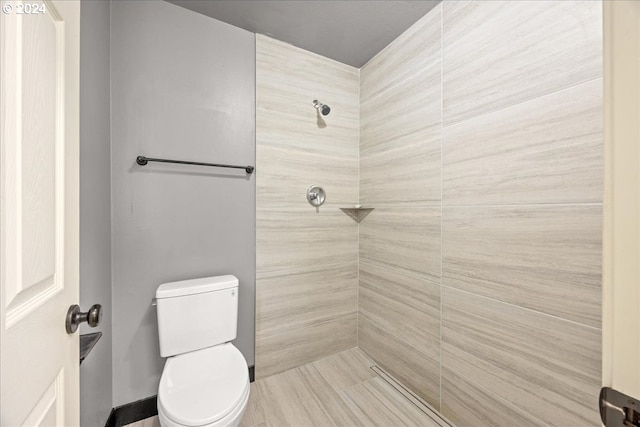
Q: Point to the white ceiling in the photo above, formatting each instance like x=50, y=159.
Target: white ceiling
x=349, y=31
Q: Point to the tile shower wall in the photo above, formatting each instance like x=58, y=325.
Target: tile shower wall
x=480, y=271
x=306, y=300
x=400, y=241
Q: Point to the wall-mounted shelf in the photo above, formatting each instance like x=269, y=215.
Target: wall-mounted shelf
x=358, y=213
x=87, y=342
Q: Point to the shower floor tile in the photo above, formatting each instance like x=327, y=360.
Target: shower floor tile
x=341, y=390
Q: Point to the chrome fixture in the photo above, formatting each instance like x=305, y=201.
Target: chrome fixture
x=316, y=195
x=323, y=108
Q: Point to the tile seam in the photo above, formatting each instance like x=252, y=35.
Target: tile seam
x=515, y=205
x=518, y=103
x=324, y=322
x=401, y=271
x=402, y=340
x=495, y=396
x=441, y=192
x=290, y=271
x=524, y=308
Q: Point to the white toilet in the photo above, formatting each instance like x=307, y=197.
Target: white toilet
x=205, y=381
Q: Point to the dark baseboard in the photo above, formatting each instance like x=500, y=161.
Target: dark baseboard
x=111, y=421
x=132, y=412
x=144, y=408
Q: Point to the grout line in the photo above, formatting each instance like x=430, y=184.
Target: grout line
x=515, y=205
x=358, y=222
x=255, y=198
x=441, y=204
x=402, y=340
x=490, y=394
x=311, y=325
x=398, y=81
x=272, y=274
x=522, y=308
x=441, y=188
x=523, y=101
x=402, y=271
x=408, y=205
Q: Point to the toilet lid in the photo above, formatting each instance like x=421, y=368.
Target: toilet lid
x=203, y=386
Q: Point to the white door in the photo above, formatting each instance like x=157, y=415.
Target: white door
x=39, y=211
x=621, y=267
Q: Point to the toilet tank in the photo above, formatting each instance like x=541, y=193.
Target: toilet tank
x=197, y=313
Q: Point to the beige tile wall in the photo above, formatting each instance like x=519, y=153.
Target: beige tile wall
x=522, y=196
x=306, y=285
x=500, y=53
x=477, y=137
x=480, y=268
x=400, y=176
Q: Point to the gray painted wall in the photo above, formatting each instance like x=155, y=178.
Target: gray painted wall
x=183, y=86
x=350, y=32
x=95, y=208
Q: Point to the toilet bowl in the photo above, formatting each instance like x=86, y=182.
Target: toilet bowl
x=204, y=388
x=205, y=380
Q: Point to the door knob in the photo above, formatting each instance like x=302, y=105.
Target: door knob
x=75, y=317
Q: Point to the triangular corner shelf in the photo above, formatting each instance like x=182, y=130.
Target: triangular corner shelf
x=358, y=214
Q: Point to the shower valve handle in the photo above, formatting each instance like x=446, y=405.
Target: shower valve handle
x=316, y=195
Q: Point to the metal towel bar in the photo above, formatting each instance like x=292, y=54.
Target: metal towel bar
x=142, y=160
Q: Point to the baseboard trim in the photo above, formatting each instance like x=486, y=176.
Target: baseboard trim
x=111, y=421
x=143, y=408
x=132, y=412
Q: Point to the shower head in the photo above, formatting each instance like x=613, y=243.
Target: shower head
x=324, y=109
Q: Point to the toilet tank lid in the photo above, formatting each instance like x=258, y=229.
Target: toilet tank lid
x=196, y=286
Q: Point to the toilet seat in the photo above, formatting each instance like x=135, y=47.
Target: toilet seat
x=202, y=387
